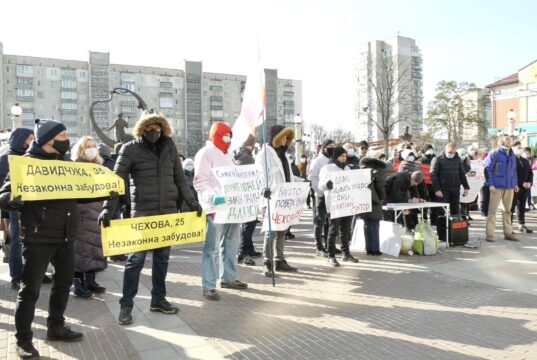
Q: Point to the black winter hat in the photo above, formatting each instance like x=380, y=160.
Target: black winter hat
x=338, y=151
x=363, y=143
x=273, y=131
x=46, y=130
x=326, y=143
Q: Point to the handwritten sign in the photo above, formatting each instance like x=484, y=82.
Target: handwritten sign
x=476, y=179
x=286, y=205
x=351, y=194
x=242, y=186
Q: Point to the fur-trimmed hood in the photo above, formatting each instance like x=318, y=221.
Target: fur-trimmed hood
x=278, y=132
x=150, y=119
x=372, y=163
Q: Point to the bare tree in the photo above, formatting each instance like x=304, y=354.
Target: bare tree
x=451, y=111
x=318, y=133
x=341, y=136
x=391, y=85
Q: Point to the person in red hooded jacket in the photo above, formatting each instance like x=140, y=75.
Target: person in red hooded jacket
x=225, y=237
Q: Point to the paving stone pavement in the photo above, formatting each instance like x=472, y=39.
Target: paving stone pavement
x=460, y=304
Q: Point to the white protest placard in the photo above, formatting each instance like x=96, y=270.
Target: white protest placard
x=476, y=179
x=389, y=237
x=242, y=190
x=534, y=185
x=351, y=194
x=286, y=205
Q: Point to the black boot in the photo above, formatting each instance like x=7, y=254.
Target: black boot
x=349, y=258
x=91, y=284
x=282, y=265
x=267, y=268
x=63, y=333
x=80, y=289
x=26, y=350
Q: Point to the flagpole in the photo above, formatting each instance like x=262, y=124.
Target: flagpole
x=265, y=141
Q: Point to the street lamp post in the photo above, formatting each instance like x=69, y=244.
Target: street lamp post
x=298, y=137
x=511, y=116
x=16, y=112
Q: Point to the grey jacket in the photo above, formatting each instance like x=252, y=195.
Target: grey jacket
x=88, y=247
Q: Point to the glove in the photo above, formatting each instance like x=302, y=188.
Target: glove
x=329, y=185
x=16, y=203
x=104, y=218
x=195, y=206
x=267, y=193
x=219, y=200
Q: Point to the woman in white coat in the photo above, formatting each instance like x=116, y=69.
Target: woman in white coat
x=279, y=171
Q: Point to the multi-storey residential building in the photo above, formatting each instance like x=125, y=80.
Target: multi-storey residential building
x=516, y=92
x=400, y=58
x=190, y=98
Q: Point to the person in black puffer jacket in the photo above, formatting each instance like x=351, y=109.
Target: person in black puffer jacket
x=378, y=196
x=47, y=230
x=157, y=187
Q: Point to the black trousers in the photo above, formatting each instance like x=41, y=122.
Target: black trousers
x=485, y=200
x=36, y=259
x=453, y=198
x=339, y=227
x=519, y=200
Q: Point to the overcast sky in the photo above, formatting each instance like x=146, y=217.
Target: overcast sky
x=315, y=41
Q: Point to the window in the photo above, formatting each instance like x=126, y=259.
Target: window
x=68, y=72
x=166, y=100
x=69, y=106
x=82, y=74
x=68, y=83
x=25, y=81
x=25, y=70
x=25, y=93
x=40, y=94
x=69, y=95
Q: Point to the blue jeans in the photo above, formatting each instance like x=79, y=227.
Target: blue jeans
x=371, y=234
x=226, y=237
x=15, y=256
x=246, y=246
x=131, y=276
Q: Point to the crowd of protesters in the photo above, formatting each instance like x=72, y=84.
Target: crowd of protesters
x=67, y=233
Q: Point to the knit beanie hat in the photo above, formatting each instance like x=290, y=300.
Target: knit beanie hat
x=338, y=151
x=46, y=130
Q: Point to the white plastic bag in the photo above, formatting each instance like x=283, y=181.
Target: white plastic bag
x=389, y=237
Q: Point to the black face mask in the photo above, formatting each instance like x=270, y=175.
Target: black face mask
x=429, y=156
x=152, y=136
x=328, y=152
x=61, y=146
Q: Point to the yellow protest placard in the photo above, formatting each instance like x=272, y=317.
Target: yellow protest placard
x=36, y=179
x=152, y=232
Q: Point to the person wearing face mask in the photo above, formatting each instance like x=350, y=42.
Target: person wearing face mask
x=318, y=163
x=527, y=155
x=472, y=152
x=89, y=257
x=272, y=158
x=150, y=167
x=448, y=174
x=467, y=165
x=363, y=148
x=19, y=141
x=353, y=162
x=501, y=168
x=410, y=165
x=525, y=179
x=303, y=167
x=339, y=227
x=424, y=163
x=47, y=231
x=223, y=238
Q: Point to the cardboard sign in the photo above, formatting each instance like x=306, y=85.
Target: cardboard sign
x=286, y=205
x=351, y=194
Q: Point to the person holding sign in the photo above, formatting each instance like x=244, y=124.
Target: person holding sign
x=340, y=226
x=378, y=195
x=279, y=171
x=225, y=237
x=47, y=231
x=157, y=187
x=89, y=257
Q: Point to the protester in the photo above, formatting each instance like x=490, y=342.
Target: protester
x=501, y=169
x=484, y=191
x=246, y=247
x=105, y=153
x=273, y=163
x=19, y=141
x=47, y=231
x=398, y=191
x=378, y=195
x=339, y=227
x=467, y=166
x=363, y=148
x=353, y=162
x=525, y=179
x=425, y=167
x=448, y=174
x=296, y=173
x=224, y=237
x=89, y=257
x=158, y=184
x=318, y=163
x=303, y=167
x=527, y=155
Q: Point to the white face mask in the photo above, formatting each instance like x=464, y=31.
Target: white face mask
x=91, y=153
x=526, y=156
x=450, y=156
x=519, y=152
x=410, y=158
x=471, y=153
x=463, y=157
x=351, y=152
x=303, y=161
x=227, y=139
x=189, y=168
x=429, y=152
